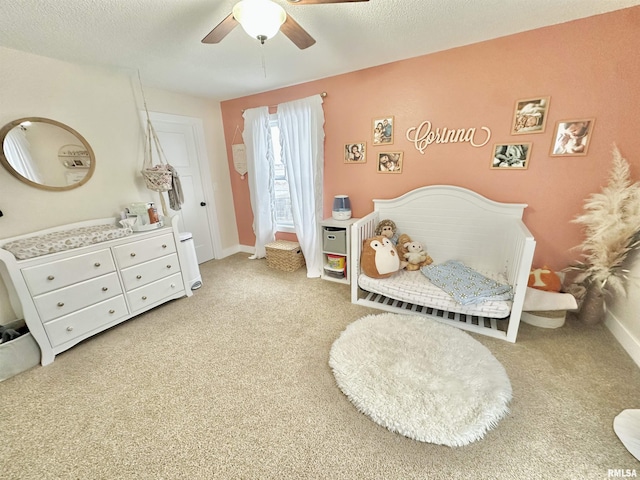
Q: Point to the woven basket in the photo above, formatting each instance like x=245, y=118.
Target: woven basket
x=284, y=255
x=157, y=178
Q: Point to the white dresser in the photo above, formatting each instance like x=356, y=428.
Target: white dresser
x=68, y=296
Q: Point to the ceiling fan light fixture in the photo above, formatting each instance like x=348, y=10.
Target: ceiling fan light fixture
x=261, y=19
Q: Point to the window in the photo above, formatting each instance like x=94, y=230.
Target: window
x=284, y=217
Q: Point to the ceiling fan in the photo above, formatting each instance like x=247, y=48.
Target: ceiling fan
x=262, y=19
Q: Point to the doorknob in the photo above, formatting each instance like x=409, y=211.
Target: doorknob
x=203, y=204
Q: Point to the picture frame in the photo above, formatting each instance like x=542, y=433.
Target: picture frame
x=510, y=156
x=530, y=116
x=355, y=152
x=572, y=138
x=390, y=162
x=382, y=130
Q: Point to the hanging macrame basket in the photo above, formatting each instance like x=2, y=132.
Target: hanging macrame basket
x=157, y=177
x=160, y=177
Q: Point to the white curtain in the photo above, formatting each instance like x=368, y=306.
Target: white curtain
x=257, y=139
x=301, y=124
x=16, y=149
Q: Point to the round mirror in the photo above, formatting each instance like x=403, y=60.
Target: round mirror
x=46, y=154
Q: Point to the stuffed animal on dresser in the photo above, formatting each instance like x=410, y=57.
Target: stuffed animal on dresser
x=379, y=258
x=387, y=228
x=413, y=253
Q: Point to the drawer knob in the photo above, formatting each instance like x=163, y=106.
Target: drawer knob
x=69, y=329
x=61, y=304
x=138, y=277
x=133, y=254
x=104, y=289
x=112, y=311
x=144, y=297
x=97, y=264
x=50, y=277
x=164, y=246
x=173, y=285
x=168, y=266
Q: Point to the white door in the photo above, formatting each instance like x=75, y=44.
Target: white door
x=182, y=141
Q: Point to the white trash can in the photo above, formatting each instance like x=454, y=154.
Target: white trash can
x=191, y=269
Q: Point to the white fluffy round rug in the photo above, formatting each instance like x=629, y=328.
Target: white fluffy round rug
x=420, y=378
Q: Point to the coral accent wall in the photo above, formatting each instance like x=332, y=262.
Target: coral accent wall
x=589, y=69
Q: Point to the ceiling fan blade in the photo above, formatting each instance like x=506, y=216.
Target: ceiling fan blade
x=317, y=2
x=221, y=30
x=296, y=33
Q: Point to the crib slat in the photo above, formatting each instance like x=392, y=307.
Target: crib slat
x=493, y=327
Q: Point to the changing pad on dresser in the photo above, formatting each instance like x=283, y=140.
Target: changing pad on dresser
x=53, y=242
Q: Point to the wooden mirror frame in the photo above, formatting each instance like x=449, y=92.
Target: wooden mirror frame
x=7, y=164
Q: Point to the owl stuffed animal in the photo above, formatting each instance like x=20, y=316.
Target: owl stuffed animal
x=379, y=258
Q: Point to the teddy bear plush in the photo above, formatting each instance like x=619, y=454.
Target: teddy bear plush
x=379, y=258
x=413, y=253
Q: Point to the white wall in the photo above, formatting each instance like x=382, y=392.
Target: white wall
x=623, y=312
x=102, y=105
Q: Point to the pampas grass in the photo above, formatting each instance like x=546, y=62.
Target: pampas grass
x=611, y=222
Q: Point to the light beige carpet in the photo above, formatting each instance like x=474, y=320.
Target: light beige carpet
x=234, y=383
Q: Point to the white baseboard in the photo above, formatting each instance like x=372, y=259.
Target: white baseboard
x=247, y=249
x=237, y=249
x=630, y=343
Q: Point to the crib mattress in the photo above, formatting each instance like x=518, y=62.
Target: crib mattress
x=413, y=287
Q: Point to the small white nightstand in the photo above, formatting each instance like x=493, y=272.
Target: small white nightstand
x=335, y=241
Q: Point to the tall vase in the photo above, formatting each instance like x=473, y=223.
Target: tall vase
x=592, y=309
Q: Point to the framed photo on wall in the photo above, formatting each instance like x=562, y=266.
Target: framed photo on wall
x=511, y=156
x=382, y=130
x=572, y=137
x=355, y=152
x=530, y=116
x=390, y=162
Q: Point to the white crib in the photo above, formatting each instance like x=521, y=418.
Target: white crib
x=454, y=223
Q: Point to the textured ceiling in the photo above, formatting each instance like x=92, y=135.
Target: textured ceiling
x=162, y=38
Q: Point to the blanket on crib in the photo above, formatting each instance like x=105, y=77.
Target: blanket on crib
x=464, y=284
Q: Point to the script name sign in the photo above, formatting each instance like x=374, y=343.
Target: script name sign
x=424, y=135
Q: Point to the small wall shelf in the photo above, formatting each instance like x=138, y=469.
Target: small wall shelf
x=335, y=241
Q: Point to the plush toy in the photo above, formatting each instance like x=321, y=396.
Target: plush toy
x=544, y=279
x=388, y=229
x=413, y=253
x=416, y=256
x=379, y=258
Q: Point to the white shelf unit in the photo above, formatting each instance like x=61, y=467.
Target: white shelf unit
x=335, y=239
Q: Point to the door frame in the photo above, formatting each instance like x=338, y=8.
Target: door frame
x=203, y=166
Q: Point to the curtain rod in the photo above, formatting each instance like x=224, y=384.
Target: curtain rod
x=323, y=95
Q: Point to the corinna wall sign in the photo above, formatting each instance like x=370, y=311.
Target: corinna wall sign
x=424, y=135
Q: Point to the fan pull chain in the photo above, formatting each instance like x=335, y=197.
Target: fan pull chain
x=264, y=64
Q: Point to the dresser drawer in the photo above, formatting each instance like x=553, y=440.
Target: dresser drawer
x=74, y=297
x=69, y=327
x=138, y=252
x=142, y=297
x=139, y=275
x=58, y=274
